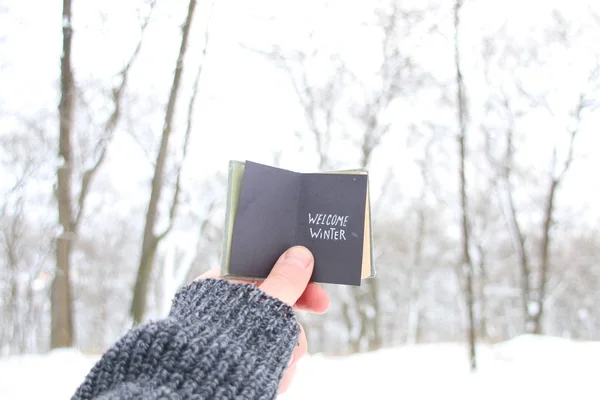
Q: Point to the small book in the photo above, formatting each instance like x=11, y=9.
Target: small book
x=271, y=209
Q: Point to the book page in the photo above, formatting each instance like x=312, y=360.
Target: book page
x=331, y=223
x=265, y=222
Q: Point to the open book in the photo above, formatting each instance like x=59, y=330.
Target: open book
x=271, y=209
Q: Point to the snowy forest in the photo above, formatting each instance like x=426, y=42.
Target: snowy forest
x=478, y=121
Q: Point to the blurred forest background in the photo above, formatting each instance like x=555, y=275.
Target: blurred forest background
x=478, y=120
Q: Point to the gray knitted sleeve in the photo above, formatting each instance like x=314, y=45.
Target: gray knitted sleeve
x=220, y=341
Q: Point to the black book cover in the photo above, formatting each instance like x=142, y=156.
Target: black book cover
x=278, y=209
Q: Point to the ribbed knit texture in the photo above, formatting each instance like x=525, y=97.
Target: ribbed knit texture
x=220, y=341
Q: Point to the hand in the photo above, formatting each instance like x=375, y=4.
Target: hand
x=289, y=282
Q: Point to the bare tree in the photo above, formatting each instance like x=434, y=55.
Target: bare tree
x=587, y=100
x=61, y=311
x=534, y=262
x=344, y=107
x=557, y=176
x=70, y=216
x=398, y=73
x=12, y=234
x=23, y=251
x=174, y=272
x=414, y=306
x=177, y=264
x=318, y=103
x=466, y=261
x=530, y=259
x=151, y=240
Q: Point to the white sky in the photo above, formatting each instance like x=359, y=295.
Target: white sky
x=247, y=109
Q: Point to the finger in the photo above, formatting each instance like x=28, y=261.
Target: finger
x=314, y=299
x=290, y=275
x=215, y=273
x=211, y=273
x=288, y=377
x=299, y=351
x=302, y=348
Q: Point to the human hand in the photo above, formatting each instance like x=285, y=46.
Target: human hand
x=289, y=282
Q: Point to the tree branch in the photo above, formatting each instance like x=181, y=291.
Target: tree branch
x=111, y=123
x=555, y=182
x=186, y=139
x=466, y=260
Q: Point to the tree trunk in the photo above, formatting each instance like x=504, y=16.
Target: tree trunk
x=467, y=264
x=516, y=234
x=61, y=306
x=414, y=302
x=353, y=340
x=483, y=331
x=13, y=324
x=545, y=256
x=150, y=240
x=370, y=287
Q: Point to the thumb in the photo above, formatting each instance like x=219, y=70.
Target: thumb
x=290, y=275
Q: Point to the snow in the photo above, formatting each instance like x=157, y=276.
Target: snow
x=528, y=367
x=49, y=376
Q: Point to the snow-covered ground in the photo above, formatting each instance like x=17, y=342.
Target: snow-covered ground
x=527, y=367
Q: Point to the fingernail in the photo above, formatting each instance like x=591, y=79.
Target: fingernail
x=299, y=255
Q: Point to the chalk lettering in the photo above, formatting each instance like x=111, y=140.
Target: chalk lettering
x=328, y=234
x=328, y=219
x=332, y=222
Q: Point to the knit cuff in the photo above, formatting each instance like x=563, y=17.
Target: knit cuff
x=239, y=311
x=255, y=334
x=221, y=341
x=205, y=297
